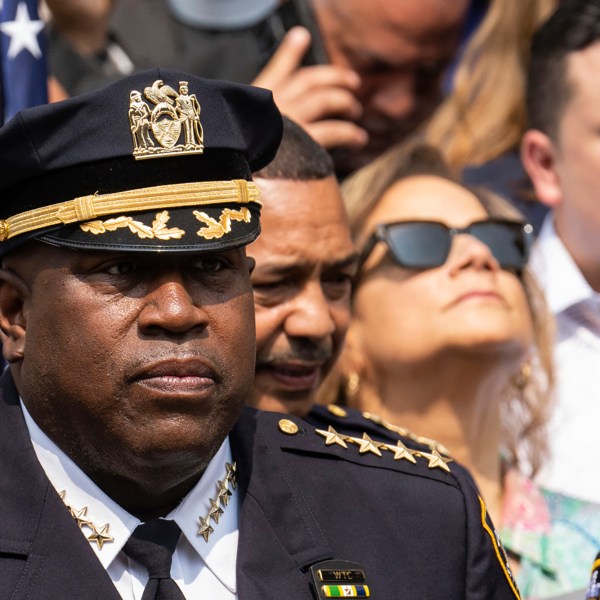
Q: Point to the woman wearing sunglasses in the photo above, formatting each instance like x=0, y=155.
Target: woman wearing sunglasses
x=450, y=338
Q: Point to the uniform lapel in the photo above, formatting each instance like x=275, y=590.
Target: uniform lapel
x=42, y=552
x=279, y=538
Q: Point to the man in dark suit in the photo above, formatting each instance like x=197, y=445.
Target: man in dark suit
x=128, y=466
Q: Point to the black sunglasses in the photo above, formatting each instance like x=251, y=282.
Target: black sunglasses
x=426, y=244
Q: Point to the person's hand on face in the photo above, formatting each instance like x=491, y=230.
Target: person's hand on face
x=320, y=98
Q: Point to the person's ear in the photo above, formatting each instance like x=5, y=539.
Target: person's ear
x=539, y=157
x=13, y=322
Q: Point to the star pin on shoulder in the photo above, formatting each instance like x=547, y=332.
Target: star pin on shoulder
x=433, y=444
x=399, y=451
x=349, y=420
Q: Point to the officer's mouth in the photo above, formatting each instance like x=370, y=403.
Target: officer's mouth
x=177, y=377
x=293, y=376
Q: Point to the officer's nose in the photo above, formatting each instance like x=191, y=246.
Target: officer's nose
x=310, y=314
x=169, y=306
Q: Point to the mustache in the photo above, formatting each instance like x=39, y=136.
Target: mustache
x=302, y=351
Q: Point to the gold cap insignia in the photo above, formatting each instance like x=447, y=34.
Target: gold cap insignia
x=157, y=131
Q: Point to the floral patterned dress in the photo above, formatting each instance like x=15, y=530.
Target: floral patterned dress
x=555, y=537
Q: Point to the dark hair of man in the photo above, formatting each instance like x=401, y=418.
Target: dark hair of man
x=574, y=26
x=299, y=157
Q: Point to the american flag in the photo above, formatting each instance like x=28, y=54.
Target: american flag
x=23, y=72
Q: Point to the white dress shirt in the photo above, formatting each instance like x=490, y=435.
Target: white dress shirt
x=572, y=467
x=201, y=569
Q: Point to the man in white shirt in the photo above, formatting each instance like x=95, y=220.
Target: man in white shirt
x=561, y=154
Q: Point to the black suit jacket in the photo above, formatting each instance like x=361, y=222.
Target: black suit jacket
x=416, y=532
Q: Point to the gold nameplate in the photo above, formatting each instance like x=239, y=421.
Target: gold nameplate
x=340, y=575
x=340, y=579
x=158, y=130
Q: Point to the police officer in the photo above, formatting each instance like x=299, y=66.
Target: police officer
x=128, y=466
x=302, y=290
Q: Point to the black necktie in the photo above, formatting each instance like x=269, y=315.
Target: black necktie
x=152, y=545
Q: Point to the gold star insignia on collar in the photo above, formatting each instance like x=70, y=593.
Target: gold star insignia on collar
x=366, y=444
x=223, y=492
x=400, y=451
x=100, y=536
x=215, y=511
x=223, y=496
x=332, y=437
x=79, y=515
x=232, y=474
x=436, y=460
x=205, y=528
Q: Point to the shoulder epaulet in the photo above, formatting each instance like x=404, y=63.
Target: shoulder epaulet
x=420, y=439
x=367, y=445
x=357, y=420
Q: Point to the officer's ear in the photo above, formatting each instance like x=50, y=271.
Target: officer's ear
x=539, y=156
x=13, y=295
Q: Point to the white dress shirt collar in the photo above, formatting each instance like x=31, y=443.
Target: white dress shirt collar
x=218, y=553
x=561, y=279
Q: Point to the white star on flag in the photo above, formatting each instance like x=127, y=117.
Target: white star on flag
x=23, y=33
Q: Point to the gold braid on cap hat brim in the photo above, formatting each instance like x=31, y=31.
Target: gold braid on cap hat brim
x=85, y=208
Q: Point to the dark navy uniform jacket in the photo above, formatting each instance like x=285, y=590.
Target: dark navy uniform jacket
x=416, y=532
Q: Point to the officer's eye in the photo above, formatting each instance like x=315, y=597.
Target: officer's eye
x=123, y=267
x=210, y=264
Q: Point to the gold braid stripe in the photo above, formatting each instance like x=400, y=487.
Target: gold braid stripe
x=238, y=191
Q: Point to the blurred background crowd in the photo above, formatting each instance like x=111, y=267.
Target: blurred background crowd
x=443, y=118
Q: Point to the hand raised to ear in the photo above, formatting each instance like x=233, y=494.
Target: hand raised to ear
x=320, y=98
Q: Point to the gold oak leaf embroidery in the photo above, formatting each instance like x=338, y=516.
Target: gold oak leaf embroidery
x=158, y=230
x=217, y=229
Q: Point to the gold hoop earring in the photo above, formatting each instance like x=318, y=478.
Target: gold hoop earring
x=523, y=378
